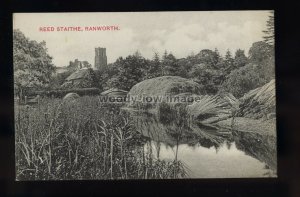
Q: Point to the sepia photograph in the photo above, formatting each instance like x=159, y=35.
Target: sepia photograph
x=144, y=95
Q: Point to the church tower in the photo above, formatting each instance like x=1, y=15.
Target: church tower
x=100, y=58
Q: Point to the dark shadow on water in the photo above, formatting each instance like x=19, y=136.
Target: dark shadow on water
x=195, y=134
x=261, y=147
x=188, y=133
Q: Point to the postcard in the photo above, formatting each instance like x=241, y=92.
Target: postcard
x=144, y=95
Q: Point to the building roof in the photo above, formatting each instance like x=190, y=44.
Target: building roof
x=79, y=74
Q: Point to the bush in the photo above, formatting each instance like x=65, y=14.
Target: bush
x=244, y=79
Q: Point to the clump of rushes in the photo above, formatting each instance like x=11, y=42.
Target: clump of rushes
x=83, y=139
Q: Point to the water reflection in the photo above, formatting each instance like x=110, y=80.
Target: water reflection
x=223, y=162
x=261, y=147
x=209, y=152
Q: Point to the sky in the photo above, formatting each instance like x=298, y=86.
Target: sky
x=181, y=33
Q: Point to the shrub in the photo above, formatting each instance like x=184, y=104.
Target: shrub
x=243, y=80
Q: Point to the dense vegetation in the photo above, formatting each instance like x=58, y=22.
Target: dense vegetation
x=70, y=139
x=234, y=73
x=55, y=140
x=32, y=65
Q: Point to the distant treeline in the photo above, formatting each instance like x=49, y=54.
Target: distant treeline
x=235, y=73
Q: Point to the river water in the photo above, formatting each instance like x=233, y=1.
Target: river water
x=210, y=152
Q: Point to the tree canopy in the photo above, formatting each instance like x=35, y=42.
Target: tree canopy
x=234, y=72
x=270, y=31
x=253, y=72
x=32, y=64
x=129, y=71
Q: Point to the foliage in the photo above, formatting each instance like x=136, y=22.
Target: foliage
x=208, y=57
x=208, y=77
x=270, y=31
x=87, y=80
x=240, y=59
x=170, y=65
x=256, y=73
x=72, y=140
x=129, y=71
x=260, y=52
x=32, y=65
x=155, y=68
x=208, y=68
x=76, y=65
x=229, y=62
x=59, y=79
x=242, y=80
x=184, y=66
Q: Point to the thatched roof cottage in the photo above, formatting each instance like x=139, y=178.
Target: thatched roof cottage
x=83, y=78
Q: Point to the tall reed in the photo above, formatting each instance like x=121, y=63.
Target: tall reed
x=82, y=139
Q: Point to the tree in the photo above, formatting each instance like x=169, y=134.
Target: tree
x=184, y=67
x=216, y=57
x=86, y=64
x=109, y=78
x=90, y=80
x=262, y=54
x=229, y=66
x=165, y=55
x=59, y=78
x=242, y=80
x=260, y=51
x=155, y=67
x=270, y=31
x=240, y=59
x=210, y=78
x=259, y=71
x=169, y=64
x=32, y=64
x=129, y=71
x=208, y=57
x=207, y=69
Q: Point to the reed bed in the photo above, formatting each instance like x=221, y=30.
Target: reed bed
x=83, y=139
